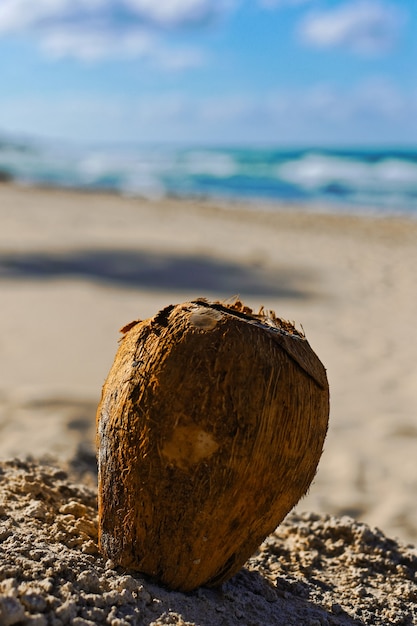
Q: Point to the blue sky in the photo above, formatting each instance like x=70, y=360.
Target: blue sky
x=280, y=72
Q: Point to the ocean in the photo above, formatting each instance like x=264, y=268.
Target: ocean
x=381, y=181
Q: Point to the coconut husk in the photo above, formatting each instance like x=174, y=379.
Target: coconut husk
x=210, y=428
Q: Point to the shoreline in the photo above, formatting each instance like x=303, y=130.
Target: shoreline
x=75, y=267
x=246, y=204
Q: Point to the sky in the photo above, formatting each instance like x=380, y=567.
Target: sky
x=224, y=72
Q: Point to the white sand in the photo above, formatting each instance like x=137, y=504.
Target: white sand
x=76, y=267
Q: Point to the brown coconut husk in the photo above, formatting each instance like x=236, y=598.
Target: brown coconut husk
x=210, y=428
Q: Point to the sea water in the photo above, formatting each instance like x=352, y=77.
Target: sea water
x=354, y=180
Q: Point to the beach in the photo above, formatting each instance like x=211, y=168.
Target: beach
x=75, y=267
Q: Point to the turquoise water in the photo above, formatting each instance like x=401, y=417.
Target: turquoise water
x=378, y=180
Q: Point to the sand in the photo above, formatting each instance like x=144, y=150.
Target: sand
x=313, y=571
x=75, y=267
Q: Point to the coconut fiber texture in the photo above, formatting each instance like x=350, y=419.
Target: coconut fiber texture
x=210, y=428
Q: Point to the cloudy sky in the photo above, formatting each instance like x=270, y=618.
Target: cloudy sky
x=210, y=71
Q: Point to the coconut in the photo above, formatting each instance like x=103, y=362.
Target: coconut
x=210, y=429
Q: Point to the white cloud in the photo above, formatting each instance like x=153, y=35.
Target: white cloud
x=23, y=15
x=174, y=13
x=178, y=59
x=372, y=112
x=363, y=26
x=94, y=29
x=91, y=46
x=20, y=15
x=276, y=4
x=141, y=44
x=374, y=98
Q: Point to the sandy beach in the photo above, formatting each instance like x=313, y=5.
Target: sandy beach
x=75, y=267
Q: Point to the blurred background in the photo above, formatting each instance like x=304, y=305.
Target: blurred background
x=311, y=101
x=234, y=147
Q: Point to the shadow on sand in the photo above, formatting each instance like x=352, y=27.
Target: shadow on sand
x=266, y=604
x=146, y=270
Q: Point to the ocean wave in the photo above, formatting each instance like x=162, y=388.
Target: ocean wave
x=383, y=179
x=315, y=172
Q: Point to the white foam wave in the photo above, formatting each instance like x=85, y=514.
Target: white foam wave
x=153, y=172
x=397, y=172
x=315, y=171
x=133, y=174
